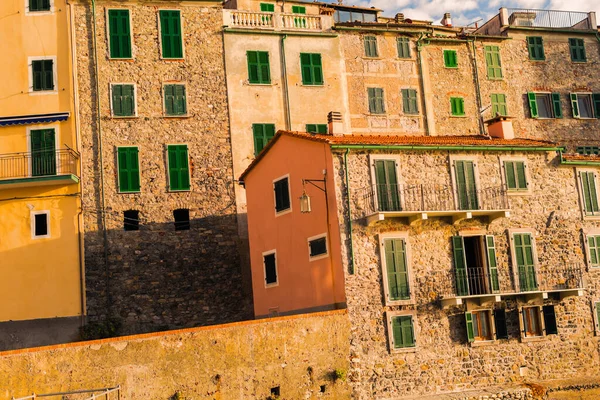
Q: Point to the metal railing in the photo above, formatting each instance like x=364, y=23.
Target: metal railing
x=564, y=277
x=38, y=163
x=476, y=281
x=100, y=394
x=422, y=198
x=548, y=18
x=255, y=19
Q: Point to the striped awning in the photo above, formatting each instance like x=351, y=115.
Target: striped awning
x=33, y=119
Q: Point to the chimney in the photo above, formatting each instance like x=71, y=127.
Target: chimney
x=500, y=127
x=447, y=20
x=336, y=125
x=399, y=18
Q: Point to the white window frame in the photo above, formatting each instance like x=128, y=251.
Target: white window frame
x=169, y=190
x=320, y=256
x=56, y=129
x=162, y=99
x=135, y=99
x=130, y=33
x=276, y=283
x=34, y=13
x=32, y=216
x=589, y=94
x=30, y=61
x=381, y=240
x=160, y=34
x=396, y=158
x=588, y=259
x=390, y=331
x=287, y=210
x=490, y=312
x=580, y=192
x=515, y=192
x=475, y=161
x=522, y=323
x=513, y=256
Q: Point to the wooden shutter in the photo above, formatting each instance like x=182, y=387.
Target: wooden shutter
x=532, y=105
x=597, y=311
x=172, y=43
x=127, y=100
x=521, y=177
x=523, y=243
x=306, y=69
x=409, y=101
x=556, y=107
x=267, y=7
x=470, y=330
x=264, y=67
x=590, y=196
x=500, y=323
x=402, y=332
x=450, y=59
x=372, y=103
x=466, y=189
x=129, y=172
x=282, y=195
x=170, y=99
x=509, y=169
x=179, y=100
x=179, y=178
x=403, y=45
x=375, y=100
x=253, y=67
x=574, y=105
x=550, y=320
x=460, y=266
x=120, y=34
x=492, y=59
x=396, y=269
x=492, y=263
x=596, y=104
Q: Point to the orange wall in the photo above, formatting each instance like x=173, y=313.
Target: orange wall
x=303, y=284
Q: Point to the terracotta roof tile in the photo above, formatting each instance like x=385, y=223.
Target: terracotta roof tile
x=581, y=157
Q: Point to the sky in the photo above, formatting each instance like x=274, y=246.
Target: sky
x=468, y=11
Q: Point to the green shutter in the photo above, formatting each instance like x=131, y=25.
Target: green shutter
x=598, y=315
x=574, y=105
x=492, y=263
x=492, y=59
x=532, y=105
x=259, y=69
x=403, y=45
x=267, y=7
x=43, y=74
x=123, y=100
x=175, y=100
x=450, y=59
x=179, y=171
x=499, y=104
x=577, y=49
x=516, y=178
x=535, y=46
x=43, y=152
x=262, y=134
x=556, y=105
x=409, y=101
x=521, y=176
x=457, y=106
x=387, y=185
x=590, y=196
x=371, y=46
x=465, y=182
x=403, y=332
x=312, y=69
x=39, y=5
x=460, y=266
x=376, y=105
x=470, y=331
x=593, y=250
x=317, y=128
x=120, y=34
x=523, y=244
x=596, y=104
x=397, y=271
x=509, y=169
x=170, y=26
x=298, y=10
x=129, y=170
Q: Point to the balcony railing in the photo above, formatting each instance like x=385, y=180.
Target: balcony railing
x=435, y=200
x=533, y=18
x=38, y=164
x=276, y=21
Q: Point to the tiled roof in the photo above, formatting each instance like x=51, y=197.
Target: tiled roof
x=582, y=157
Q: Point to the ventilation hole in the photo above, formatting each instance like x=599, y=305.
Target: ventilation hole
x=275, y=391
x=322, y=388
x=182, y=219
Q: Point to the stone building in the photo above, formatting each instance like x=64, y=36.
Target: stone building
x=161, y=241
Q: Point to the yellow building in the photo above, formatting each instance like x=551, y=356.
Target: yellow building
x=41, y=272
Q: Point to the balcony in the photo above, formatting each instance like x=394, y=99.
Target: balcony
x=275, y=21
x=41, y=168
x=481, y=286
x=532, y=18
x=419, y=202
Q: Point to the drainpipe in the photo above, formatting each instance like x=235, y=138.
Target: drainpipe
x=286, y=95
x=477, y=89
x=422, y=81
x=351, y=255
x=101, y=160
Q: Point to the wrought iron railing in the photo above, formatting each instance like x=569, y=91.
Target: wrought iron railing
x=423, y=198
x=548, y=18
x=564, y=277
x=38, y=163
x=476, y=281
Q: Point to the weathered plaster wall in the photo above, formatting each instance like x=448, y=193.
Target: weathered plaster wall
x=236, y=361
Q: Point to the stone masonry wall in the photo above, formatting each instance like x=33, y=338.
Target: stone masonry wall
x=159, y=278
x=244, y=360
x=443, y=360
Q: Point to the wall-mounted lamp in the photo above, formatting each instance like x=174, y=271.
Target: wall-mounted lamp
x=305, y=198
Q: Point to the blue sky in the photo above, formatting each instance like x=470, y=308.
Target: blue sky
x=467, y=11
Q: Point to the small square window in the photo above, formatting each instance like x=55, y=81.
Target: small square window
x=270, y=264
x=131, y=220
x=317, y=246
x=457, y=106
x=317, y=128
x=282, y=195
x=267, y=7
x=298, y=10
x=123, y=100
x=182, y=219
x=175, y=100
x=39, y=5
x=450, y=59
x=41, y=224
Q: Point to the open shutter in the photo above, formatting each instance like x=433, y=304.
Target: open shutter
x=509, y=168
x=556, y=105
x=470, y=332
x=596, y=104
x=492, y=263
x=306, y=70
x=521, y=178
x=397, y=272
x=124, y=183
x=597, y=315
x=253, y=74
x=574, y=105
x=550, y=320
x=500, y=323
x=533, y=109
x=460, y=266
x=317, y=69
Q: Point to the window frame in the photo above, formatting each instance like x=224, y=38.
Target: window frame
x=319, y=256
x=452, y=106
x=119, y=189
x=584, y=214
x=446, y=63
x=404, y=43
x=57, y=142
x=513, y=192
x=383, y=101
x=399, y=178
x=457, y=157
x=160, y=44
x=28, y=12
x=276, y=283
x=538, y=46
x=264, y=82
x=574, y=96
x=404, y=235
x=32, y=215
x=406, y=100
x=130, y=33
x=289, y=186
x=266, y=3
x=542, y=324
x=112, y=109
x=183, y=225
x=578, y=61
x=300, y=10
x=312, y=82
x=169, y=188
x=164, y=99
x=390, y=331
x=30, y=61
x=491, y=327
x=513, y=256
x=376, y=48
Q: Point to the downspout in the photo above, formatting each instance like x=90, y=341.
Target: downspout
x=101, y=160
x=477, y=89
x=422, y=81
x=351, y=255
x=286, y=95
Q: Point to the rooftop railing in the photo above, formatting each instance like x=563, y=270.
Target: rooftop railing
x=533, y=18
x=276, y=21
x=38, y=164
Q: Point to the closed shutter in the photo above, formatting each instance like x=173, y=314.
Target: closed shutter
x=465, y=181
x=170, y=99
x=511, y=180
x=492, y=59
x=409, y=101
x=387, y=185
x=179, y=172
x=499, y=104
x=170, y=25
x=253, y=67
x=450, y=59
x=550, y=320
x=403, y=332
x=556, y=107
x=43, y=152
x=317, y=69
x=120, y=34
x=596, y=104
x=460, y=266
x=403, y=47
x=180, y=100
x=129, y=170
x=577, y=47
x=397, y=271
x=523, y=243
x=492, y=263
x=535, y=46
x=500, y=323
x=282, y=195
x=457, y=106
x=594, y=250
x=470, y=330
x=371, y=46
x=376, y=105
x=267, y=7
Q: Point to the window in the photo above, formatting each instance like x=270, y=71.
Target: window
x=129, y=169
x=175, y=100
x=499, y=104
x=42, y=75
x=352, y=16
x=40, y=224
x=583, y=104
x=182, y=219
x=178, y=166
x=457, y=106
x=371, y=46
x=317, y=128
x=589, y=194
x=544, y=105
x=282, y=195
x=588, y=150
x=450, y=59
x=535, y=46
x=43, y=152
x=170, y=33
x=119, y=34
x=403, y=47
x=500, y=323
x=402, y=332
x=386, y=184
x=298, y=10
x=492, y=60
x=395, y=274
x=131, y=220
x=466, y=185
x=123, y=100
x=312, y=70
x=317, y=246
x=263, y=133
x=514, y=172
x=577, y=50
x=39, y=5
x=479, y=325
x=550, y=325
x=270, y=264
x=267, y=7
x=409, y=101
x=259, y=69
x=593, y=244
x=475, y=265
x=376, y=102
x=531, y=323
x=524, y=261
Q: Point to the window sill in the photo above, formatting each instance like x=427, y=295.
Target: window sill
x=451, y=67
x=478, y=343
x=283, y=212
x=515, y=192
x=42, y=92
x=584, y=118
x=405, y=59
x=319, y=257
x=579, y=62
x=405, y=350
x=495, y=79
x=372, y=58
x=132, y=192
x=376, y=115
x=411, y=114
x=532, y=60
x=259, y=84
x=130, y=59
x=591, y=217
x=172, y=59
x=271, y=285
x=532, y=339
x=458, y=116
x=39, y=13
x=177, y=116
x=124, y=116
x=406, y=302
x=178, y=191
x=316, y=85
